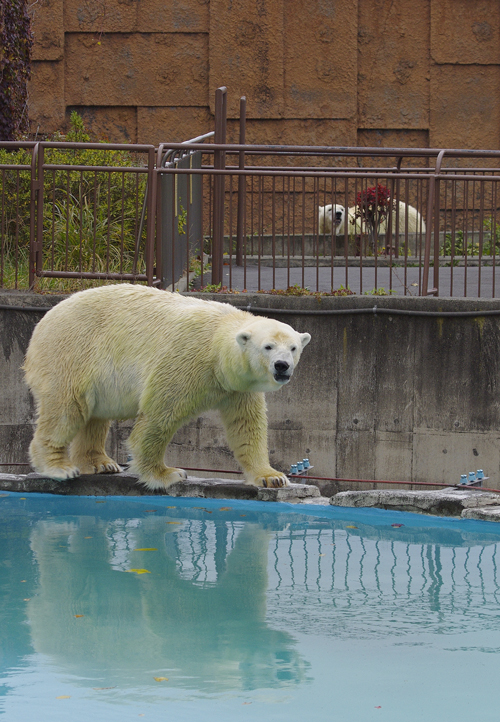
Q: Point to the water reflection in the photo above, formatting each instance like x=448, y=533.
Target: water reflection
x=220, y=596
x=195, y=612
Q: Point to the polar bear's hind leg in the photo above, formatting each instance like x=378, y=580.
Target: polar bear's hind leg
x=87, y=451
x=54, y=433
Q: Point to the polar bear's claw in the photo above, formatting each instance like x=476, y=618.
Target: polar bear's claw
x=271, y=481
x=60, y=474
x=160, y=478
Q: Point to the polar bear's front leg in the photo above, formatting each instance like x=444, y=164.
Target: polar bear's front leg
x=245, y=420
x=147, y=443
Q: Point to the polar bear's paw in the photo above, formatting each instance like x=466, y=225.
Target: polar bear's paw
x=160, y=477
x=97, y=464
x=270, y=479
x=59, y=473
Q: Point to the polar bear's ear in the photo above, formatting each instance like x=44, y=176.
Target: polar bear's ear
x=243, y=337
x=305, y=338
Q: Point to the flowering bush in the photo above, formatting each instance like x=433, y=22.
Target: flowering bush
x=372, y=206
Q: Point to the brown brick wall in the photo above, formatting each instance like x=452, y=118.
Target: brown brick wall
x=329, y=72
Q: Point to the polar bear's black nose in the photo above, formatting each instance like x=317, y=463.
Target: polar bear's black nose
x=281, y=367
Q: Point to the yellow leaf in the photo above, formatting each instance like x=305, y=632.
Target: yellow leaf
x=161, y=679
x=64, y=696
x=100, y=501
x=351, y=527
x=139, y=571
x=225, y=508
x=173, y=522
x=145, y=549
x=77, y=616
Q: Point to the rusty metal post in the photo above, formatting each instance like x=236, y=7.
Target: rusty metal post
x=240, y=227
x=428, y=236
x=219, y=186
x=151, y=217
x=432, y=204
x=33, y=207
x=38, y=192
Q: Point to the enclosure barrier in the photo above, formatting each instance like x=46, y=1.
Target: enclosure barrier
x=251, y=217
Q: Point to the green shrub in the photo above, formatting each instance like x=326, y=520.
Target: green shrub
x=91, y=219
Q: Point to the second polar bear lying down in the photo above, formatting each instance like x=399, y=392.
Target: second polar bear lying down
x=333, y=216
x=126, y=351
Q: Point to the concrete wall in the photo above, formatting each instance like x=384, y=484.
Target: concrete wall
x=414, y=73
x=374, y=397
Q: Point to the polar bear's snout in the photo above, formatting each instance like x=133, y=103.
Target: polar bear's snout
x=282, y=371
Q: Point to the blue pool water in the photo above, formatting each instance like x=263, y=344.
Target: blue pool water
x=244, y=611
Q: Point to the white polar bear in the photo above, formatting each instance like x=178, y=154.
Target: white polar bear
x=334, y=215
x=126, y=351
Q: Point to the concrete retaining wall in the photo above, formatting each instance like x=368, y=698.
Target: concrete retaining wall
x=374, y=397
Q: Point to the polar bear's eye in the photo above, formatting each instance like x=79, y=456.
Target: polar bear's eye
x=268, y=347
x=293, y=349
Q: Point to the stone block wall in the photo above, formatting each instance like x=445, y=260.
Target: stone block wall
x=323, y=72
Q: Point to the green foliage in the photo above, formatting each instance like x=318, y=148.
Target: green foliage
x=297, y=290
x=490, y=246
x=16, y=41
x=181, y=219
x=90, y=218
x=379, y=292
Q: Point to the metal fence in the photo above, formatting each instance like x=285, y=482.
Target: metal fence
x=248, y=217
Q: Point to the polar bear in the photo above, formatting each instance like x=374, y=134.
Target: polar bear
x=334, y=215
x=126, y=351
x=331, y=215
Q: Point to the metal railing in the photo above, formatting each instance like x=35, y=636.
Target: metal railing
x=252, y=217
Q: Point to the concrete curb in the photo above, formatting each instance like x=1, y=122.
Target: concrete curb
x=125, y=484
x=468, y=503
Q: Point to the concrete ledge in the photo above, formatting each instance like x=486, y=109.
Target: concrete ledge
x=125, y=484
x=447, y=502
x=489, y=513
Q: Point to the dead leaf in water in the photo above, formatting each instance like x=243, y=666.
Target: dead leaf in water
x=145, y=549
x=64, y=696
x=161, y=679
x=139, y=571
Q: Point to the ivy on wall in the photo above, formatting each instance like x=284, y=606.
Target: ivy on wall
x=16, y=41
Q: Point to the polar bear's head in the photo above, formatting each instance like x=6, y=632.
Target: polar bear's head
x=331, y=216
x=270, y=350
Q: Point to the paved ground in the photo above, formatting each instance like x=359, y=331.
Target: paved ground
x=472, y=282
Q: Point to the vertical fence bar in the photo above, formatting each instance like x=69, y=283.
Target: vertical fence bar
x=219, y=184
x=151, y=218
x=242, y=185
x=33, y=213
x=39, y=212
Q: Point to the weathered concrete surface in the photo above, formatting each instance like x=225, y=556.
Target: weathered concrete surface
x=447, y=502
x=125, y=484
x=488, y=513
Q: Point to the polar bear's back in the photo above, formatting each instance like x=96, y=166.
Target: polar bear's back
x=120, y=331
